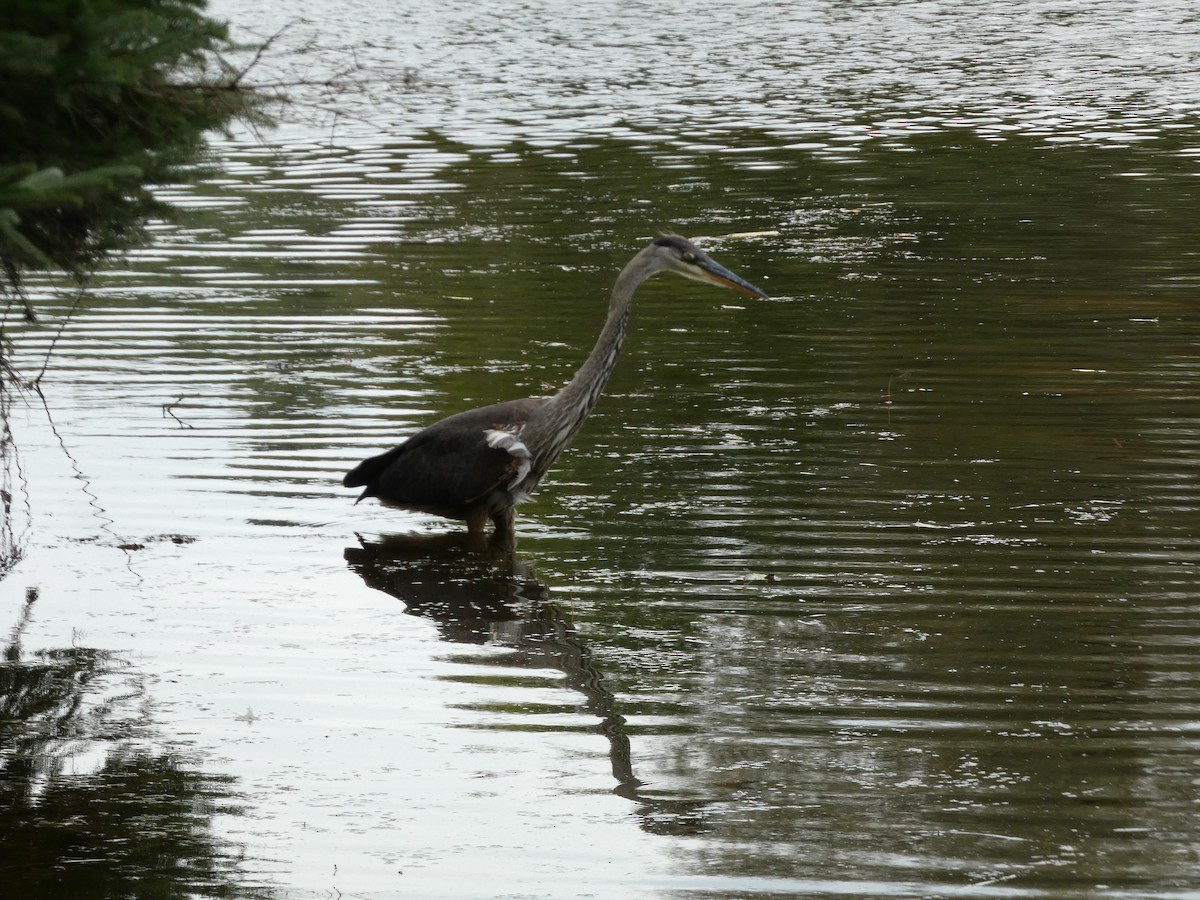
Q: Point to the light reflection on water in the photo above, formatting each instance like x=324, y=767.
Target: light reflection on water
x=885, y=587
x=817, y=77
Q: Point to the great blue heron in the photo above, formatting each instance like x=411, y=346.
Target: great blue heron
x=481, y=463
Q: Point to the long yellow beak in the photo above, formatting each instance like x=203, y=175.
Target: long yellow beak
x=715, y=273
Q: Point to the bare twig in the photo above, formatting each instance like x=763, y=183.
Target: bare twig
x=258, y=54
x=168, y=410
x=62, y=326
x=107, y=523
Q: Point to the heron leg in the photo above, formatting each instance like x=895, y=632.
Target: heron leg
x=476, y=520
x=505, y=520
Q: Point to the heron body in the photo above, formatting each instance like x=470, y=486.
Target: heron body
x=480, y=464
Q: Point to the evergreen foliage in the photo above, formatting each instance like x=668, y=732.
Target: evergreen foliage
x=98, y=100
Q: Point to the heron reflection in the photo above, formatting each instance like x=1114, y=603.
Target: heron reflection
x=476, y=594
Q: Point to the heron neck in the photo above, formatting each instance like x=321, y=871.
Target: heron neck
x=564, y=413
x=589, y=382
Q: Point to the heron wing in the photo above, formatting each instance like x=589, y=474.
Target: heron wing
x=451, y=464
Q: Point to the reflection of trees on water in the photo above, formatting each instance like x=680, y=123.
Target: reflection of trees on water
x=475, y=595
x=88, y=806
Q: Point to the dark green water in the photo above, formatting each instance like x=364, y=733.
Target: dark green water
x=885, y=587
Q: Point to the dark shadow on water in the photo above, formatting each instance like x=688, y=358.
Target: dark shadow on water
x=478, y=593
x=91, y=804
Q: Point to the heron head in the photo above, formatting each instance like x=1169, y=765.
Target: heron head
x=676, y=254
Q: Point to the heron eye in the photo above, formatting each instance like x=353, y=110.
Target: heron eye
x=689, y=256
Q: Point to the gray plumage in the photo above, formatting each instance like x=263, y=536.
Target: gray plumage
x=481, y=463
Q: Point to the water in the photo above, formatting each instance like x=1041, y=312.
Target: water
x=886, y=587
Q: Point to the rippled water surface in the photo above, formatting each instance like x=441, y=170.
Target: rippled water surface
x=885, y=587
